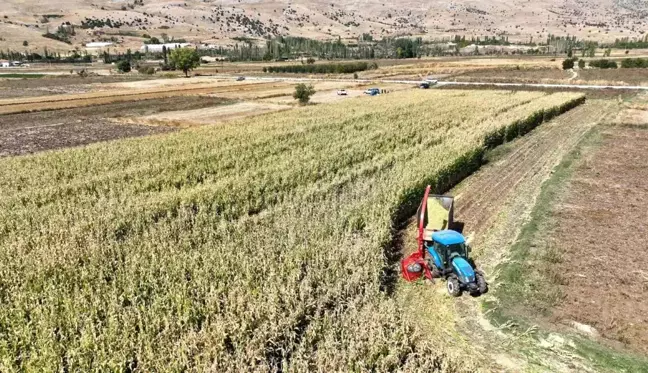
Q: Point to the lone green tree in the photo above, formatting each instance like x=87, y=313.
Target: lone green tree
x=303, y=93
x=124, y=66
x=568, y=64
x=185, y=59
x=581, y=64
x=164, y=54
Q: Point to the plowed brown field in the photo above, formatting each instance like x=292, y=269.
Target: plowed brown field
x=600, y=231
x=31, y=132
x=65, y=101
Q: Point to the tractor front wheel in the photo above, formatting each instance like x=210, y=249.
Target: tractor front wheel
x=453, y=286
x=481, y=283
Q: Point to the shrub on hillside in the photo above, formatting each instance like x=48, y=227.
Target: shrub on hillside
x=124, y=66
x=568, y=64
x=146, y=70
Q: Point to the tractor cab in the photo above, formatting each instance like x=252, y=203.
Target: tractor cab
x=442, y=252
x=445, y=246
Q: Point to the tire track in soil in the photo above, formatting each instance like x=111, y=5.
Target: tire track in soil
x=493, y=205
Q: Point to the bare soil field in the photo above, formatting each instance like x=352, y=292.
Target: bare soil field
x=557, y=76
x=67, y=134
x=29, y=104
x=12, y=88
x=634, y=112
x=514, y=75
x=443, y=67
x=612, y=76
x=594, y=94
x=160, y=82
x=31, y=132
x=600, y=233
x=632, y=116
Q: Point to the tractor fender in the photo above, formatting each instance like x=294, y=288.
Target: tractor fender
x=463, y=270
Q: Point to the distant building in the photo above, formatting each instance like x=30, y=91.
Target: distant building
x=157, y=48
x=214, y=58
x=208, y=46
x=98, y=45
x=4, y=63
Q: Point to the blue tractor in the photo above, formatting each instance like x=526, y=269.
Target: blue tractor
x=372, y=91
x=442, y=252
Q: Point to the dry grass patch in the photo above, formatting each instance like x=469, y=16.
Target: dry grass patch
x=458, y=66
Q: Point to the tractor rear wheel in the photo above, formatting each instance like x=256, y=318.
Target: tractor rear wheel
x=481, y=283
x=454, y=288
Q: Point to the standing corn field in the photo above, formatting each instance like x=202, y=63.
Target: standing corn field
x=253, y=246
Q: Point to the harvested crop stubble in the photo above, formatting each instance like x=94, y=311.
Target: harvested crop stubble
x=255, y=246
x=66, y=101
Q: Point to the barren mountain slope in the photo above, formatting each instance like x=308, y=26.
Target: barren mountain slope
x=217, y=21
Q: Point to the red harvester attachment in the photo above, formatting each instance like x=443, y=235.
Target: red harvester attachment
x=434, y=213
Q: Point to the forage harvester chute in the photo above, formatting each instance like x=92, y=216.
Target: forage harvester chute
x=442, y=252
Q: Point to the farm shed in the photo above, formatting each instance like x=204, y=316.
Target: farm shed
x=157, y=48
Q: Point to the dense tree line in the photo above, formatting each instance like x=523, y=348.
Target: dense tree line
x=46, y=56
x=329, y=68
x=626, y=43
x=634, y=63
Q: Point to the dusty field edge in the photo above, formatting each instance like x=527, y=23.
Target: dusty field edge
x=513, y=270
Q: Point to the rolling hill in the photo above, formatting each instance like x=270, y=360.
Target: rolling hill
x=219, y=21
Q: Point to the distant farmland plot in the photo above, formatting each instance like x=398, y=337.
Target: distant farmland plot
x=257, y=245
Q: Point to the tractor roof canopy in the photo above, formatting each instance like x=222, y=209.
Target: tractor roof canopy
x=448, y=237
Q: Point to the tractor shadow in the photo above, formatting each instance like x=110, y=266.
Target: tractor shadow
x=394, y=252
x=458, y=226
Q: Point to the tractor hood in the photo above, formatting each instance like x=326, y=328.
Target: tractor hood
x=463, y=269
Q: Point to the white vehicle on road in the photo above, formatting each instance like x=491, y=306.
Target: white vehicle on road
x=341, y=92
